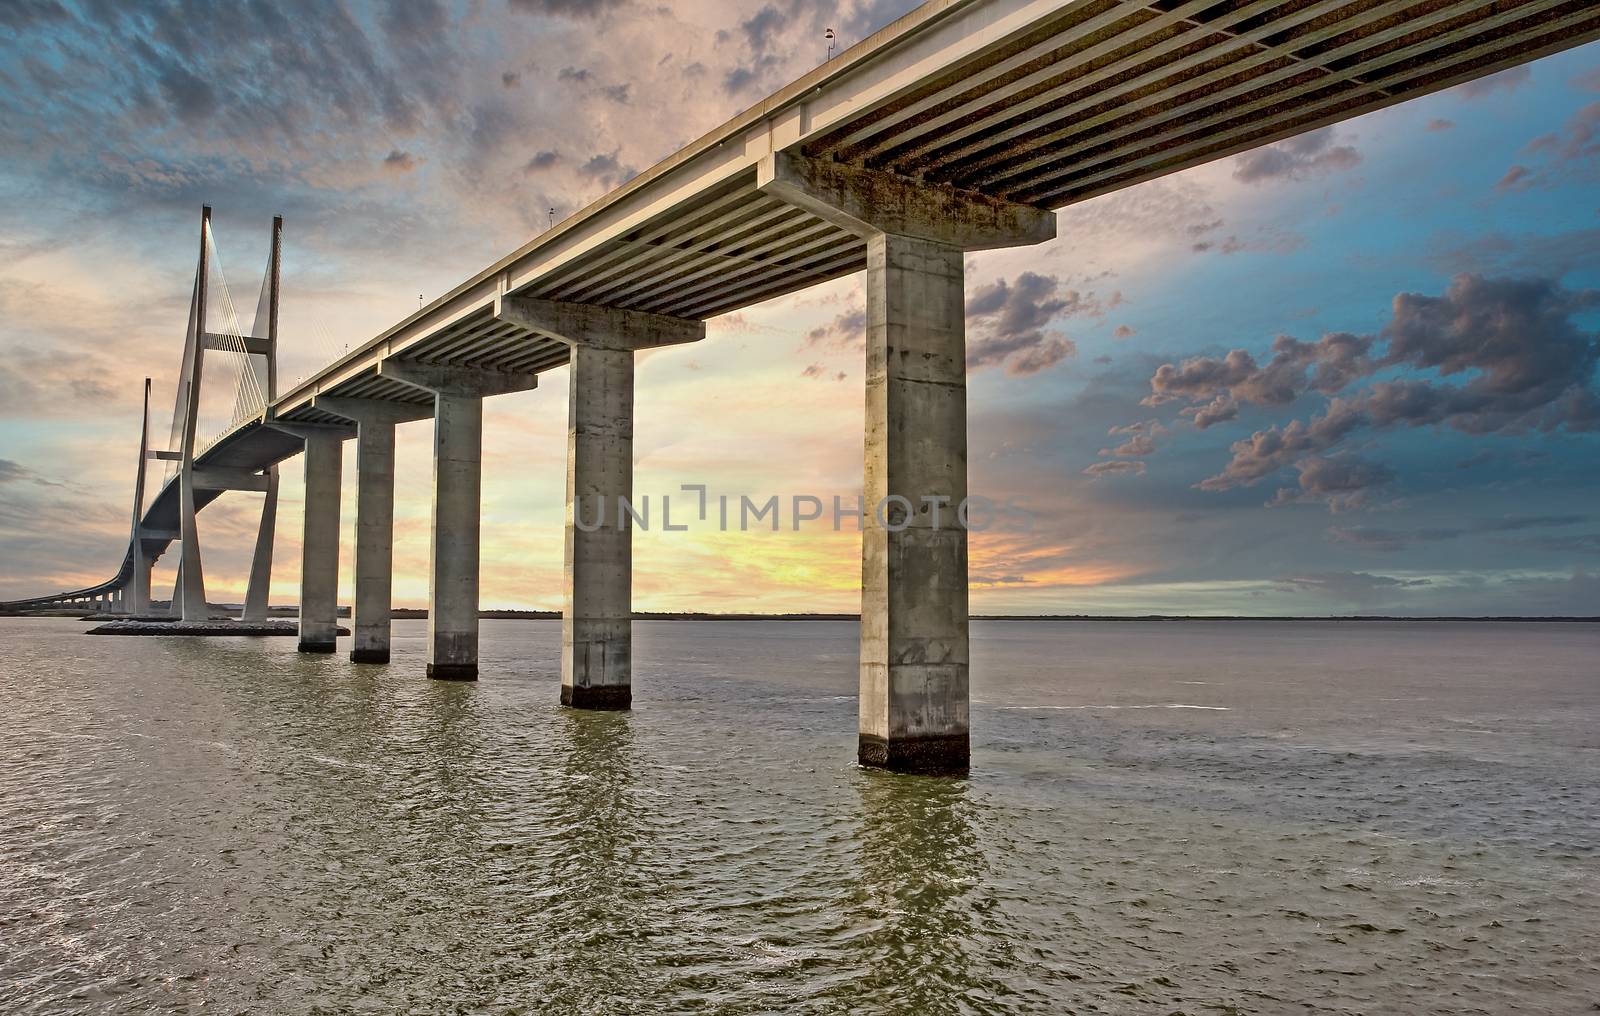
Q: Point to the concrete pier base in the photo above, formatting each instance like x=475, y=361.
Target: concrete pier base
x=597, y=622
x=319, y=561
x=457, y=485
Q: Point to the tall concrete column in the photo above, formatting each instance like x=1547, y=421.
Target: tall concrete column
x=914, y=699
x=319, y=553
x=258, y=593
x=375, y=422
x=597, y=584
x=914, y=659
x=139, y=601
x=457, y=495
x=597, y=614
x=374, y=561
x=454, y=559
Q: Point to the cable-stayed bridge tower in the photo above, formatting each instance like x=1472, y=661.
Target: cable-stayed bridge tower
x=207, y=405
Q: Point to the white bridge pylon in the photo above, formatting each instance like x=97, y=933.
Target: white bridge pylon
x=227, y=379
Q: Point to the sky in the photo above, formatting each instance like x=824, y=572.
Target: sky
x=1351, y=372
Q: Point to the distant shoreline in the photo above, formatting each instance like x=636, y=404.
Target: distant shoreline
x=417, y=614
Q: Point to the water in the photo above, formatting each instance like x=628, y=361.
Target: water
x=1162, y=818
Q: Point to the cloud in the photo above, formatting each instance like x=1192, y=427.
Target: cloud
x=510, y=79
x=574, y=9
x=1505, y=81
x=847, y=331
x=1516, y=178
x=1113, y=467
x=399, y=162
x=1011, y=321
x=607, y=170
x=1123, y=332
x=1381, y=540
x=542, y=161
x=1572, y=151
x=1440, y=125
x=1296, y=367
x=1140, y=439
x=11, y=472
x=1343, y=483
x=1307, y=156
x=820, y=371
x=1356, y=587
x=1527, y=366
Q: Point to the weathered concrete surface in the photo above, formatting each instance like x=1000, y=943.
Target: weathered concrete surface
x=914, y=712
x=375, y=421
x=914, y=643
x=597, y=618
x=374, y=557
x=868, y=203
x=258, y=593
x=457, y=493
x=319, y=556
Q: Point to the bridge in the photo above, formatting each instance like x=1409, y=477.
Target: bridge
x=960, y=127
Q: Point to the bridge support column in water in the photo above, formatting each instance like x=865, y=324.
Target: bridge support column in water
x=375, y=420
x=319, y=545
x=458, y=394
x=914, y=645
x=597, y=610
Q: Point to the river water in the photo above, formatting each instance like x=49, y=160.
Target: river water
x=1162, y=817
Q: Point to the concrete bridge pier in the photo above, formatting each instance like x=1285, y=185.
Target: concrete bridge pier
x=375, y=420
x=597, y=615
x=914, y=643
x=458, y=394
x=319, y=543
x=258, y=593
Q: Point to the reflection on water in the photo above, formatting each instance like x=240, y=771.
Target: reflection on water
x=1376, y=819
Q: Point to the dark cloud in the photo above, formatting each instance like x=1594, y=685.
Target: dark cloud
x=510, y=79
x=847, y=330
x=1530, y=364
x=607, y=170
x=191, y=97
x=576, y=75
x=542, y=161
x=400, y=162
x=1123, y=332
x=820, y=372
x=1296, y=368
x=1527, y=366
x=11, y=472
x=1441, y=125
x=1357, y=587
x=1309, y=155
x=1342, y=482
x=1011, y=320
x=1388, y=540
x=573, y=9
x=19, y=14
